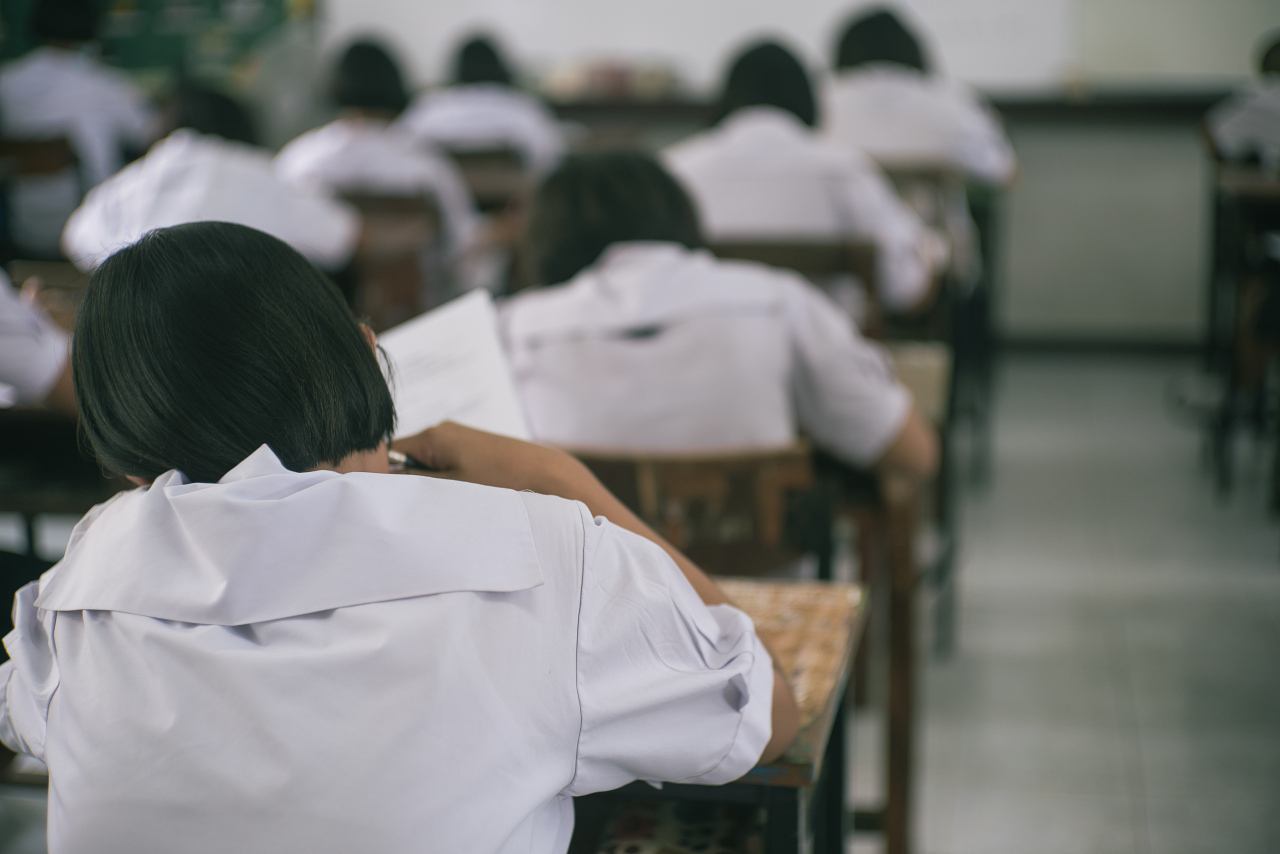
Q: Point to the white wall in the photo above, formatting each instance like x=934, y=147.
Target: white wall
x=1000, y=45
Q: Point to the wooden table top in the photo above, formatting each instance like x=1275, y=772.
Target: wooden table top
x=1248, y=182
x=813, y=627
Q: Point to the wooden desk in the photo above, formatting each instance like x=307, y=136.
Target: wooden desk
x=813, y=627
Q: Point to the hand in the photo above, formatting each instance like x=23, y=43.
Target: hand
x=464, y=453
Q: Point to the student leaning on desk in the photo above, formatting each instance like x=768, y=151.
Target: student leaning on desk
x=274, y=645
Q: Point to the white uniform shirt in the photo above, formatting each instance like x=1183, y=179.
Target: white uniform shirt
x=1249, y=123
x=761, y=174
x=325, y=663
x=487, y=115
x=365, y=155
x=50, y=93
x=659, y=348
x=899, y=116
x=190, y=177
x=33, y=351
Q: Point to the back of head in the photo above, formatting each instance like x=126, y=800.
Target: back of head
x=202, y=342
x=209, y=111
x=879, y=36
x=1269, y=63
x=368, y=78
x=480, y=62
x=770, y=75
x=65, y=20
x=594, y=200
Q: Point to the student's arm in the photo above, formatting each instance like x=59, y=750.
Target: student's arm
x=462, y=453
x=62, y=397
x=913, y=454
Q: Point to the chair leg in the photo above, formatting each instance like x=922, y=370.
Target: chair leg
x=897, y=818
x=29, y=522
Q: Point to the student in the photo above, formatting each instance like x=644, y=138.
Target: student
x=884, y=101
x=654, y=345
x=363, y=152
x=483, y=110
x=274, y=645
x=60, y=89
x=1247, y=125
x=209, y=168
x=35, y=366
x=762, y=173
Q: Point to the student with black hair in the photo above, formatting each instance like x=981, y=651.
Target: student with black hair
x=61, y=89
x=652, y=344
x=764, y=173
x=285, y=648
x=209, y=167
x=885, y=99
x=1247, y=126
x=362, y=151
x=482, y=109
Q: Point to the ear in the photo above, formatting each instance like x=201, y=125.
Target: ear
x=371, y=337
x=140, y=481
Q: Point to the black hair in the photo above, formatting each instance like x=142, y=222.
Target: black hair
x=209, y=111
x=769, y=74
x=879, y=36
x=202, y=342
x=65, y=20
x=479, y=61
x=1269, y=62
x=594, y=200
x=368, y=78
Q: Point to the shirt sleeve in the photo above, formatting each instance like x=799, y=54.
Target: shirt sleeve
x=902, y=240
x=33, y=351
x=324, y=230
x=29, y=677
x=846, y=396
x=670, y=689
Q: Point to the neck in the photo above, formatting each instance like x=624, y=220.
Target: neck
x=373, y=461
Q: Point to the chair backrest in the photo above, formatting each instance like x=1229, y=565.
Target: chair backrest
x=31, y=157
x=495, y=176
x=60, y=286
x=812, y=259
x=733, y=514
x=399, y=269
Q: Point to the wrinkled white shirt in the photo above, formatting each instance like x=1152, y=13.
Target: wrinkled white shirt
x=899, y=116
x=314, y=662
x=761, y=174
x=33, y=350
x=50, y=93
x=659, y=348
x=1249, y=123
x=190, y=177
x=487, y=115
x=366, y=155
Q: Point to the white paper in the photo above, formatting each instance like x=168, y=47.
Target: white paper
x=448, y=365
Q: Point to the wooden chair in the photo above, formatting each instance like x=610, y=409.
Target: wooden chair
x=495, y=176
x=398, y=272
x=23, y=158
x=746, y=513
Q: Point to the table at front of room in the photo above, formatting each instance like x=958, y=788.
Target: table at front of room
x=813, y=628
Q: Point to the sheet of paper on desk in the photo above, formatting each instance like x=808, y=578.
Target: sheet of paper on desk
x=448, y=365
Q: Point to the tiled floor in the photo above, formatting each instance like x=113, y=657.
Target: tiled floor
x=1116, y=688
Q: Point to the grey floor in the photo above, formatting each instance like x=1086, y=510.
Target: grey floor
x=1116, y=689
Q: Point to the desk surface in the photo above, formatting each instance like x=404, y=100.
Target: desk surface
x=1248, y=182
x=812, y=627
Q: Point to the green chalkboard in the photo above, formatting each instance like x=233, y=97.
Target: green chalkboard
x=157, y=39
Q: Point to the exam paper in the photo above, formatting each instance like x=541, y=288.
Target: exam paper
x=448, y=365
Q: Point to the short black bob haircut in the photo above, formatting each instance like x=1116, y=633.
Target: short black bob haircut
x=66, y=20
x=1269, y=62
x=202, y=342
x=368, y=78
x=879, y=36
x=767, y=74
x=209, y=111
x=595, y=200
x=479, y=61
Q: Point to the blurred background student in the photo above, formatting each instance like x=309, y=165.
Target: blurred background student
x=208, y=167
x=764, y=173
x=60, y=89
x=651, y=344
x=362, y=151
x=1247, y=126
x=484, y=110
